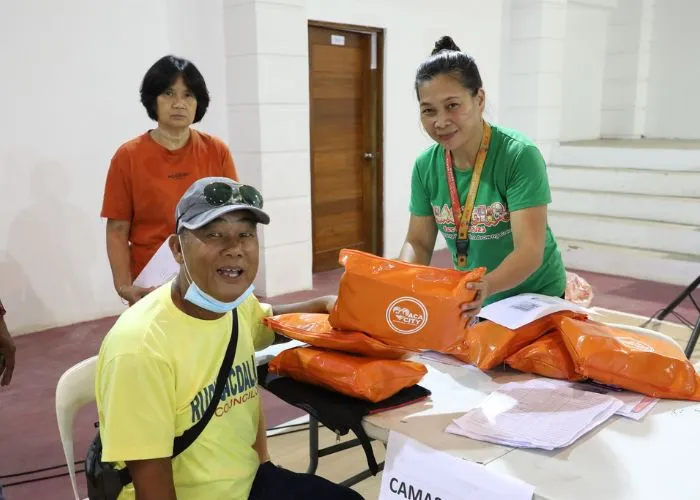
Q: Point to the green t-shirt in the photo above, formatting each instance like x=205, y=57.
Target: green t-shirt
x=514, y=177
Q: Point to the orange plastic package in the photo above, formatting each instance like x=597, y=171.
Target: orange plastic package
x=315, y=329
x=546, y=356
x=365, y=378
x=489, y=344
x=650, y=365
x=406, y=305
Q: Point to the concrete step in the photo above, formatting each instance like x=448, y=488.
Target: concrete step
x=625, y=180
x=672, y=268
x=625, y=157
x=632, y=233
x=673, y=209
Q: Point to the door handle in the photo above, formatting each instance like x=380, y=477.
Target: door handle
x=369, y=156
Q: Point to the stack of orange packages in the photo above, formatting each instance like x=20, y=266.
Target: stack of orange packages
x=387, y=310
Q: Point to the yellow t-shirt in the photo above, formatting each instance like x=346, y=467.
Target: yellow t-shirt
x=156, y=371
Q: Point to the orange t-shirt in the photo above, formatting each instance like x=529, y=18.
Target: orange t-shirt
x=145, y=181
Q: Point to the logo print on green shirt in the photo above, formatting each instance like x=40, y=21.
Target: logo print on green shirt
x=483, y=217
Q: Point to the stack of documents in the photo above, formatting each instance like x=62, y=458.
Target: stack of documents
x=537, y=413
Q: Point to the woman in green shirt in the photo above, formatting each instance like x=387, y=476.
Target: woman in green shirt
x=496, y=175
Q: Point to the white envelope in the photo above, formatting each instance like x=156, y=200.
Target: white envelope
x=160, y=269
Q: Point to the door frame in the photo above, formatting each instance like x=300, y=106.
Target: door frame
x=374, y=85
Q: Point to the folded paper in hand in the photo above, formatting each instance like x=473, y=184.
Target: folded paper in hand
x=525, y=308
x=160, y=269
x=538, y=413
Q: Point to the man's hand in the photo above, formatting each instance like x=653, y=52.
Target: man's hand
x=469, y=310
x=7, y=350
x=132, y=294
x=330, y=301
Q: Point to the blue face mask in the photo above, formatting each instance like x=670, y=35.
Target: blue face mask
x=198, y=297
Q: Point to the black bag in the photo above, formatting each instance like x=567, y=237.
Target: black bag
x=104, y=482
x=338, y=412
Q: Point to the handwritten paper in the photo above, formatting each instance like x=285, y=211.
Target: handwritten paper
x=519, y=310
x=537, y=413
x=414, y=470
x=160, y=269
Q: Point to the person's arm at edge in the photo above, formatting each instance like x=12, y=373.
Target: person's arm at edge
x=7, y=347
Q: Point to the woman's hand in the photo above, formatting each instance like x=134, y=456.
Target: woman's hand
x=132, y=294
x=469, y=310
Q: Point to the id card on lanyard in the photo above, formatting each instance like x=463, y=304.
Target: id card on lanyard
x=463, y=217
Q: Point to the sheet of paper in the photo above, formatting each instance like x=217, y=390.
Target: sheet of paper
x=537, y=413
x=634, y=405
x=414, y=470
x=160, y=269
x=525, y=308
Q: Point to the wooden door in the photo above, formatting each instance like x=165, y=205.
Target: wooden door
x=346, y=175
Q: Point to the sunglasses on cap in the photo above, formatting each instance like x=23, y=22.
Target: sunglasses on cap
x=219, y=194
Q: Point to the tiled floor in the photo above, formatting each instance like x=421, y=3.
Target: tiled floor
x=29, y=436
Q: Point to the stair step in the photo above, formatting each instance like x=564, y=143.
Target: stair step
x=663, y=267
x=673, y=209
x=625, y=180
x=645, y=235
x=615, y=157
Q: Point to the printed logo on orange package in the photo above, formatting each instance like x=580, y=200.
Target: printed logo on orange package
x=406, y=315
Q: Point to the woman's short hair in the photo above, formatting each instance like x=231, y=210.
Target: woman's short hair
x=163, y=74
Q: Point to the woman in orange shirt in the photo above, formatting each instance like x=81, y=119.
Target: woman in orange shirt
x=148, y=174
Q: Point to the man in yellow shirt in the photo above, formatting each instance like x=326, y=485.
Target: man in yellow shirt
x=158, y=365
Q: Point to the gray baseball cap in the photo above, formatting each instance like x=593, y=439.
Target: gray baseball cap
x=211, y=197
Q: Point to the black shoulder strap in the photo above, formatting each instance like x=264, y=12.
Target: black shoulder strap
x=188, y=437
x=181, y=443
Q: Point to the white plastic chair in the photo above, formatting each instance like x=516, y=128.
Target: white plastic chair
x=644, y=331
x=75, y=389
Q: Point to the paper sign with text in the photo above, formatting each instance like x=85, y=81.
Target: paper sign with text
x=414, y=471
